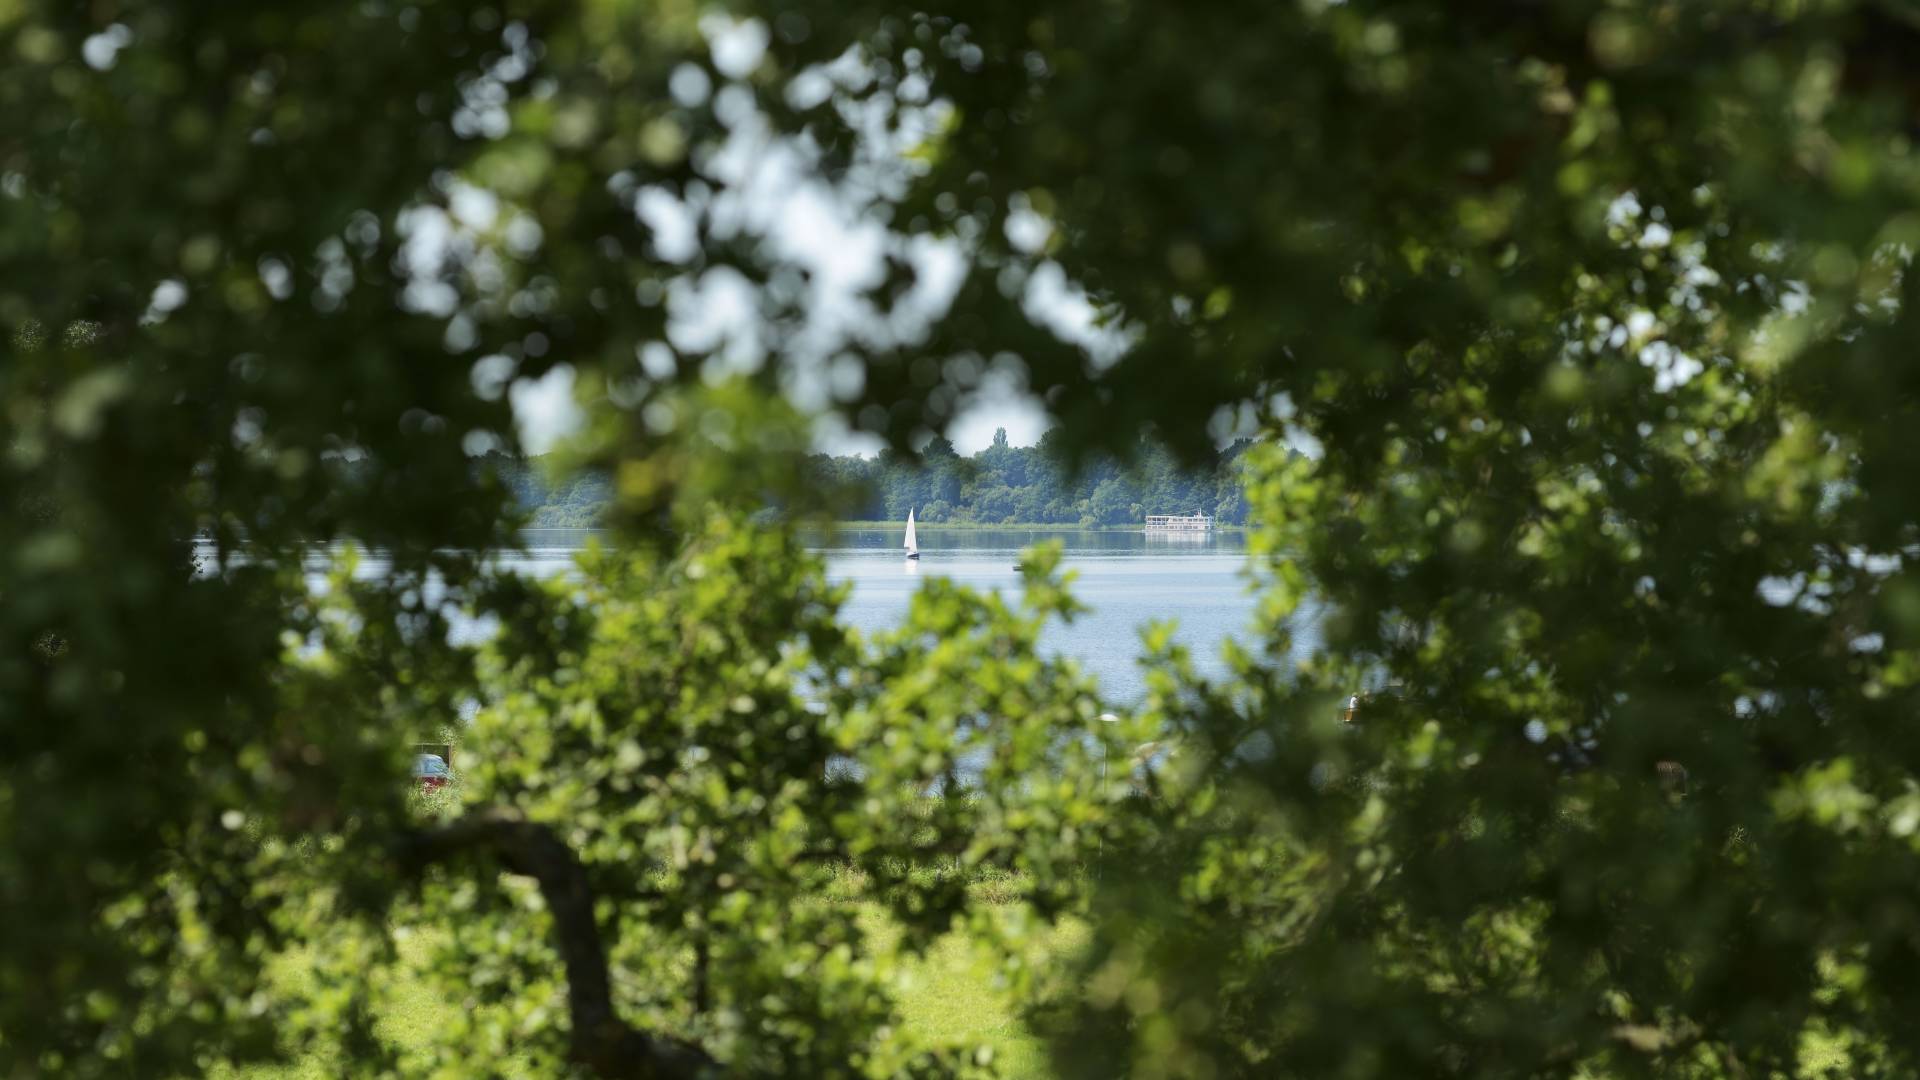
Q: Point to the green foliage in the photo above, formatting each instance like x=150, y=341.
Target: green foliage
x=719, y=753
x=1002, y=484
x=954, y=995
x=1600, y=314
x=1034, y=485
x=577, y=501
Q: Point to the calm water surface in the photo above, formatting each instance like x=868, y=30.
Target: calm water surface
x=1127, y=579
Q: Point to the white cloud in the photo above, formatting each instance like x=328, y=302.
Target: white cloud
x=544, y=409
x=998, y=405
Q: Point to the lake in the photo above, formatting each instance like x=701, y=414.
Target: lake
x=1126, y=579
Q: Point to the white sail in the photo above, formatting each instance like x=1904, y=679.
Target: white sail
x=913, y=544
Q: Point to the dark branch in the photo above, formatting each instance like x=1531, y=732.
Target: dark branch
x=600, y=1041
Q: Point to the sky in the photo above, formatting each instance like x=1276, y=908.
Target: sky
x=765, y=188
x=545, y=413
x=806, y=225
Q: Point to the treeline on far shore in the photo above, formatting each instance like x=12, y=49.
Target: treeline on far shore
x=1002, y=484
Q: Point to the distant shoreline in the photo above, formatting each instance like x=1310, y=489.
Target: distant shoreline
x=949, y=526
x=1040, y=526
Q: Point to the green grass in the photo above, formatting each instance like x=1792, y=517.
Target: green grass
x=950, y=995
x=953, y=995
x=408, y=1014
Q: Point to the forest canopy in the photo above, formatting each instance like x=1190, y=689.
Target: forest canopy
x=1001, y=484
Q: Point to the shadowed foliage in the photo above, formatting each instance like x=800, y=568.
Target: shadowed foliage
x=1598, y=314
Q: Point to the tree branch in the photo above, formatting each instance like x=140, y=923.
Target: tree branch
x=599, y=1041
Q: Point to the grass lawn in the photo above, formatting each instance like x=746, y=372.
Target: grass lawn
x=410, y=1012
x=949, y=995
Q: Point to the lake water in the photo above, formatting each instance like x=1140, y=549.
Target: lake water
x=1126, y=579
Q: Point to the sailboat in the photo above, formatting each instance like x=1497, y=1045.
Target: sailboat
x=913, y=543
